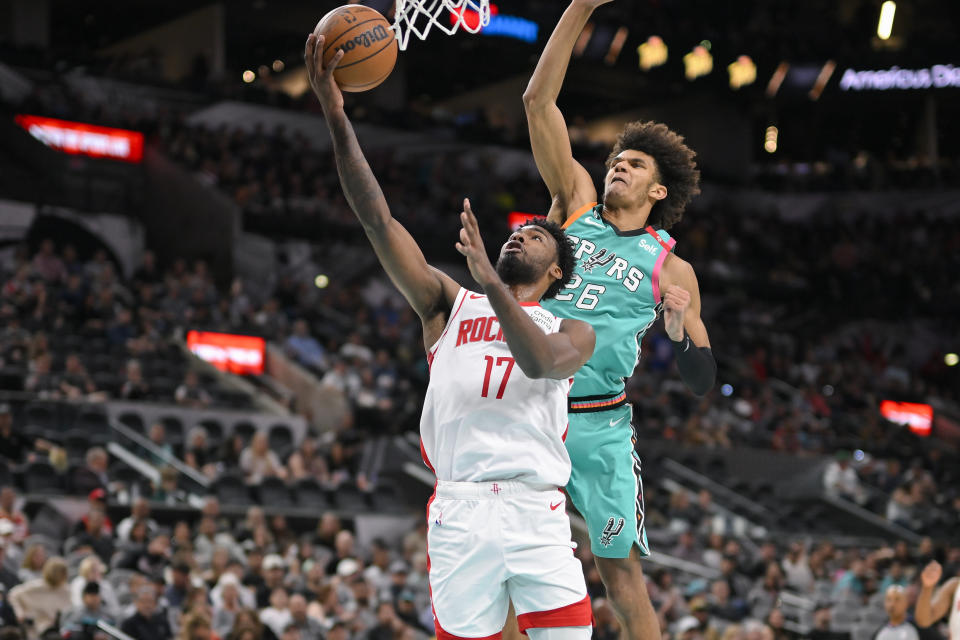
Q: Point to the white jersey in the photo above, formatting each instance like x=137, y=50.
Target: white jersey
x=953, y=622
x=483, y=419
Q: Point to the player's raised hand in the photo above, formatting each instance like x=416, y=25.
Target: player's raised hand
x=675, y=302
x=321, y=78
x=931, y=574
x=471, y=246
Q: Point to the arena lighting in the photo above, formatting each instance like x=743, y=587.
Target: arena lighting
x=652, y=53
x=322, y=281
x=825, y=74
x=919, y=417
x=777, y=79
x=951, y=359
x=616, y=46
x=885, y=26
x=742, y=72
x=500, y=25
x=726, y=390
x=249, y=76
x=516, y=219
x=698, y=62
x=78, y=138
x=770, y=139
x=582, y=41
x=229, y=352
x=278, y=66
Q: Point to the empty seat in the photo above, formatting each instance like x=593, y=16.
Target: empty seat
x=274, y=492
x=246, y=429
x=174, y=429
x=280, y=437
x=92, y=421
x=214, y=429
x=231, y=489
x=41, y=477
x=41, y=414
x=386, y=498
x=310, y=495
x=134, y=421
x=76, y=442
x=348, y=496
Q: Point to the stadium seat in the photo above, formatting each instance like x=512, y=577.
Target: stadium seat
x=310, y=495
x=386, y=498
x=231, y=489
x=76, y=442
x=41, y=477
x=245, y=429
x=133, y=420
x=872, y=618
x=864, y=631
x=6, y=476
x=274, y=492
x=348, y=496
x=48, y=543
x=280, y=437
x=174, y=429
x=42, y=414
x=214, y=429
x=94, y=423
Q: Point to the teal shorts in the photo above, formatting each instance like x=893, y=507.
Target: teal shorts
x=605, y=484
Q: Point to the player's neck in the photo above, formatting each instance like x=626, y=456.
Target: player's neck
x=627, y=218
x=530, y=292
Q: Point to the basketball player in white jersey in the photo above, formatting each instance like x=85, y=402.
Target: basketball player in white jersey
x=931, y=607
x=495, y=412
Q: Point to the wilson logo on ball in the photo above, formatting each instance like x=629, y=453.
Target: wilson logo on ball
x=367, y=38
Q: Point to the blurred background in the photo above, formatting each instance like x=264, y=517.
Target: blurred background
x=211, y=392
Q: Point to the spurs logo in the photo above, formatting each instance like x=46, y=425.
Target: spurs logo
x=611, y=531
x=599, y=259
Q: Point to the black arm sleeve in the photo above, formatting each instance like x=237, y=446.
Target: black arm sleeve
x=698, y=368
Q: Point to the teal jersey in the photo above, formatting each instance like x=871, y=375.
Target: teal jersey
x=615, y=288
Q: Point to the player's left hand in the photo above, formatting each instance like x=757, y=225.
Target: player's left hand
x=471, y=246
x=675, y=302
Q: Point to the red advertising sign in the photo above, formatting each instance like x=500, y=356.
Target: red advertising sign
x=919, y=417
x=84, y=139
x=517, y=219
x=242, y=355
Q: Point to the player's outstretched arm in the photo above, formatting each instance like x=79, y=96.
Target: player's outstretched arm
x=684, y=326
x=428, y=290
x=569, y=183
x=931, y=607
x=539, y=355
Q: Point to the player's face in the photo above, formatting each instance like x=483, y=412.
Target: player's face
x=527, y=255
x=631, y=178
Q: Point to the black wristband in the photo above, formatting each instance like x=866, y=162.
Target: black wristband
x=697, y=366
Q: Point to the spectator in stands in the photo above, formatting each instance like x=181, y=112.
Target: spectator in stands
x=15, y=445
x=341, y=377
x=13, y=515
x=176, y=592
x=196, y=626
x=277, y=615
x=900, y=507
x=34, y=560
x=308, y=626
x=307, y=462
x=8, y=617
x=8, y=579
x=247, y=626
x=86, y=614
x=40, y=380
x=851, y=581
x=139, y=511
x=47, y=264
x=43, y=599
x=272, y=574
x=76, y=383
x=722, y=605
x=190, y=393
x=134, y=386
x=92, y=571
x=259, y=462
x=94, y=536
x=764, y=595
x=157, y=435
x=225, y=611
x=306, y=349
x=840, y=479
x=198, y=454
x=148, y=623
x=796, y=568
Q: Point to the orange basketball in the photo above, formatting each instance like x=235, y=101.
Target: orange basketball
x=368, y=42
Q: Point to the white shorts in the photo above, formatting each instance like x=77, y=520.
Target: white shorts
x=492, y=542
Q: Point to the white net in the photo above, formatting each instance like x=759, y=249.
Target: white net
x=419, y=16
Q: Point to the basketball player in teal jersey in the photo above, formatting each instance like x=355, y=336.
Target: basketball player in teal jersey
x=625, y=275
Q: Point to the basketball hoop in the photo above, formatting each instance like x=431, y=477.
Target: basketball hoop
x=419, y=16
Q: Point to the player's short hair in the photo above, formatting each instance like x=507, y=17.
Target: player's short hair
x=676, y=167
x=565, y=259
